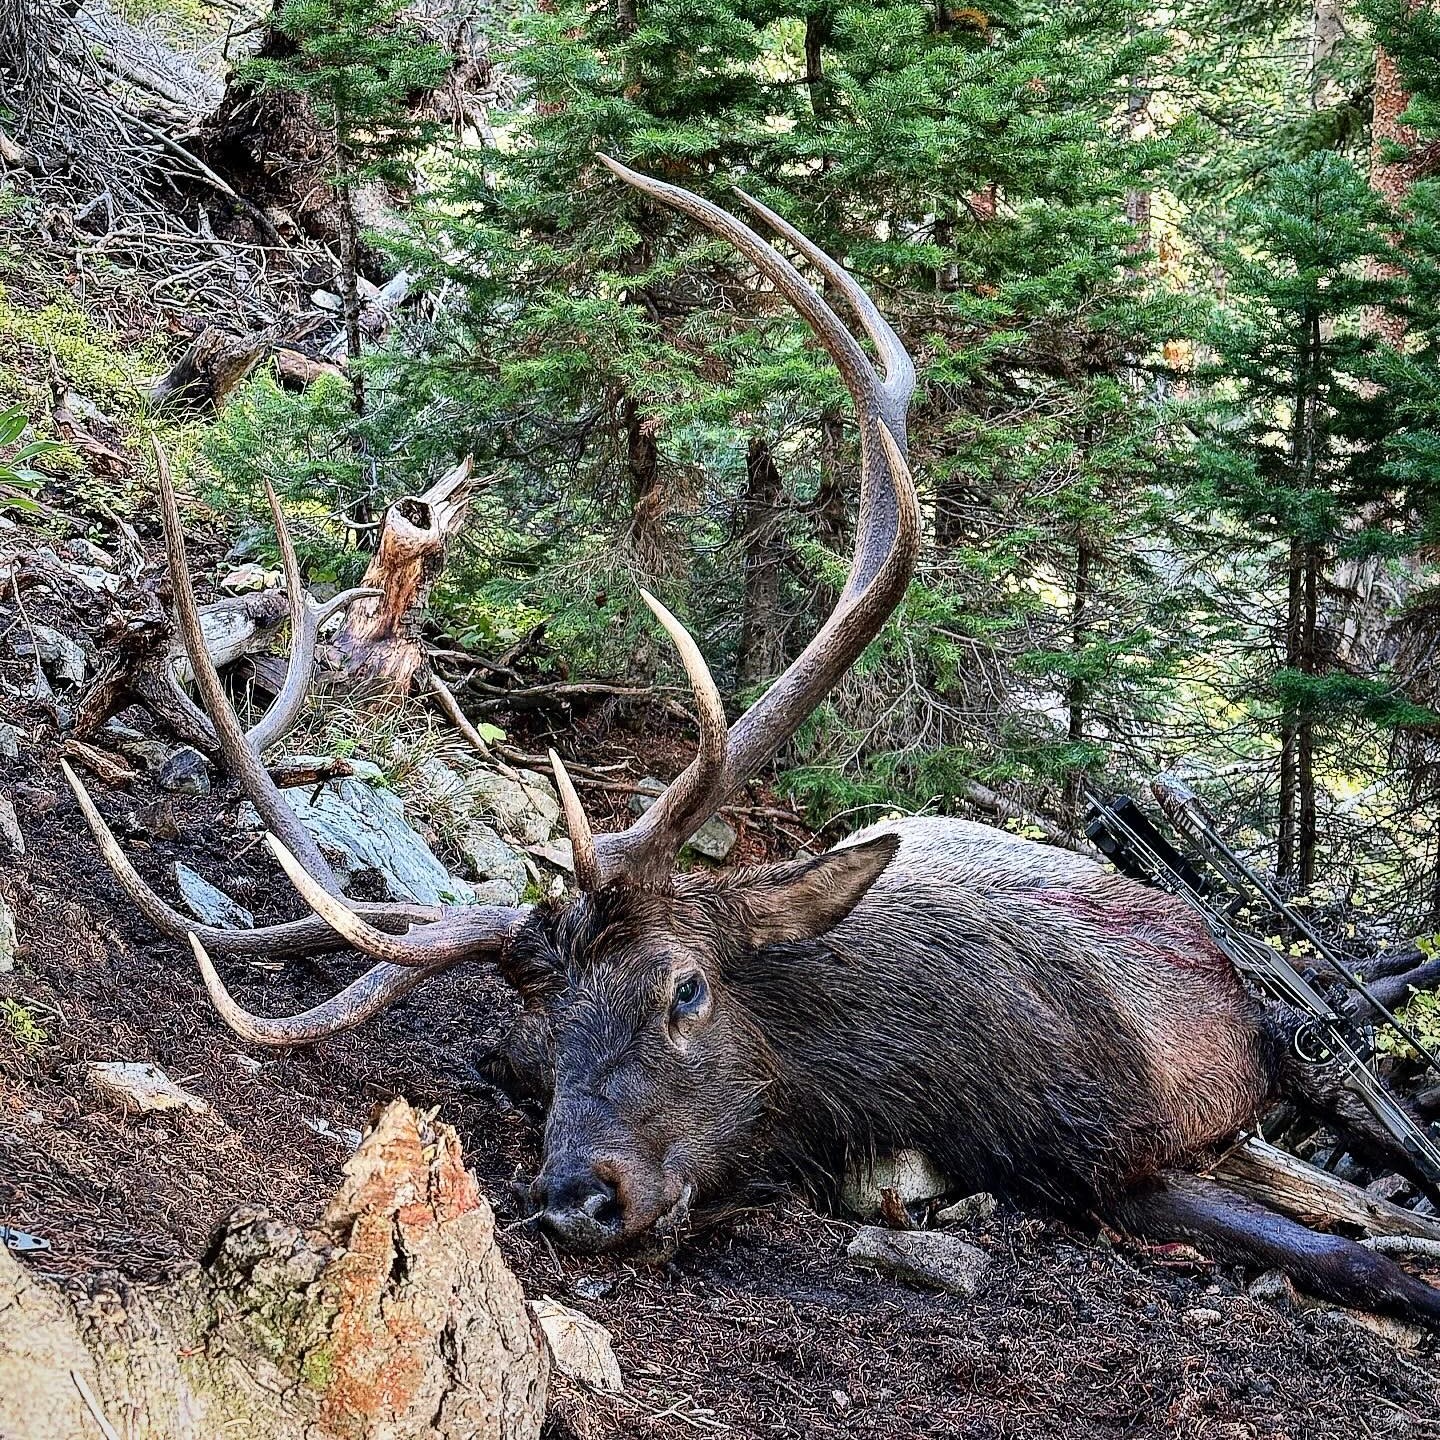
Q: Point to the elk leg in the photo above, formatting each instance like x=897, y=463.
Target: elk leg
x=1191, y=1208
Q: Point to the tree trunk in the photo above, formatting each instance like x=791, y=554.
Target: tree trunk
x=761, y=652
x=1390, y=178
x=1327, y=25
x=350, y=293
x=1078, y=694
x=1290, y=725
x=380, y=640
x=819, y=24
x=647, y=538
x=396, y=1318
x=1307, y=838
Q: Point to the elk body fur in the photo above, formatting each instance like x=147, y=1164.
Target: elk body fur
x=1038, y=1026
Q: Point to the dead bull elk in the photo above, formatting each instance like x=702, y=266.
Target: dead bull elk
x=1039, y=1026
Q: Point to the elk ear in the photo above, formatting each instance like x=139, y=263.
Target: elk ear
x=802, y=899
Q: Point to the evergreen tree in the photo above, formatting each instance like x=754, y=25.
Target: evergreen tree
x=1295, y=451
x=968, y=167
x=359, y=66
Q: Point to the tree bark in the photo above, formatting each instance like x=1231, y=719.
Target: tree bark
x=1307, y=840
x=350, y=293
x=648, y=542
x=396, y=1318
x=761, y=651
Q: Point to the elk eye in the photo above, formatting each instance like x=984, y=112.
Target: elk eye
x=688, y=992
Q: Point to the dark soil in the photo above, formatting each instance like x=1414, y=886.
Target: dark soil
x=761, y=1327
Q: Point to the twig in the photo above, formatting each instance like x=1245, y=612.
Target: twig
x=106, y=1428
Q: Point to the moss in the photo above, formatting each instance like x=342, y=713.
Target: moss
x=22, y=1026
x=317, y=1368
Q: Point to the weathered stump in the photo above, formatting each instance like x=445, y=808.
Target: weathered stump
x=380, y=640
x=398, y=1317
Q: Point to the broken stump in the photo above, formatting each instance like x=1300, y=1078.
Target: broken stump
x=397, y=1318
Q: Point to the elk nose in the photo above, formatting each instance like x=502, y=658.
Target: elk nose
x=581, y=1211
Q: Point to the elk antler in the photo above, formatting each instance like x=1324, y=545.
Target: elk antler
x=443, y=937
x=412, y=943
x=885, y=548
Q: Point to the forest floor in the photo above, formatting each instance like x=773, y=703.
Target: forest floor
x=760, y=1327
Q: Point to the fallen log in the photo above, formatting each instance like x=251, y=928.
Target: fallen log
x=149, y=665
x=1261, y=1172
x=396, y=1317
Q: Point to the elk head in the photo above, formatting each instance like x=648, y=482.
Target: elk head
x=641, y=987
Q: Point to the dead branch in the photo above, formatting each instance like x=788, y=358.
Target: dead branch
x=1261, y=1172
x=380, y=639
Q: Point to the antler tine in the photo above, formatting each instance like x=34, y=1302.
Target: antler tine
x=297, y=937
x=242, y=761
x=377, y=988
x=462, y=934
x=306, y=618
x=899, y=367
x=709, y=707
x=887, y=536
x=588, y=875
x=852, y=362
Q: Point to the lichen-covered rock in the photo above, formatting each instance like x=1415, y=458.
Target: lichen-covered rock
x=9, y=943
x=911, y=1174
x=715, y=839
x=487, y=857
x=185, y=771
x=209, y=905
x=929, y=1258
x=363, y=829
x=580, y=1347
x=138, y=1085
x=525, y=807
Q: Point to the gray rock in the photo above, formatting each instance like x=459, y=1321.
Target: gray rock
x=87, y=552
x=362, y=830
x=1202, y=1317
x=487, y=857
x=525, y=807
x=495, y=892
x=209, y=905
x=1275, y=1287
x=556, y=852
x=149, y=754
x=9, y=743
x=63, y=658
x=12, y=838
x=909, y=1173
x=580, y=1346
x=715, y=839
x=9, y=941
x=929, y=1258
x=92, y=577
x=144, y=1086
x=972, y=1210
x=186, y=771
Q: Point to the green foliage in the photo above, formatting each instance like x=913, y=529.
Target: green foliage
x=19, y=480
x=358, y=63
x=21, y=1025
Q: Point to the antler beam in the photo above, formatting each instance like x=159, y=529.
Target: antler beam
x=887, y=543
